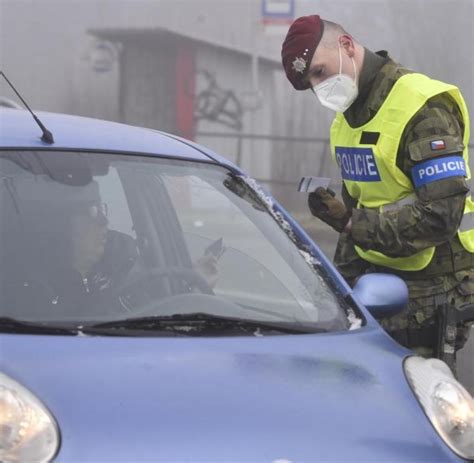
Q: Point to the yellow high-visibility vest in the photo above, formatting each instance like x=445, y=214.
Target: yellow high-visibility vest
x=367, y=156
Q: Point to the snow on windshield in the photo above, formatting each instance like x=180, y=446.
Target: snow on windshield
x=312, y=261
x=268, y=201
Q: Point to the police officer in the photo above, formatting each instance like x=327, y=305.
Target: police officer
x=400, y=140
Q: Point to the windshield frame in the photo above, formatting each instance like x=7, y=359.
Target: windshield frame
x=315, y=259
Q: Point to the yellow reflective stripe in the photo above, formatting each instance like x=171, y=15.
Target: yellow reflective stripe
x=416, y=262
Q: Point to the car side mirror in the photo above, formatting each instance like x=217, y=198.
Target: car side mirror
x=383, y=294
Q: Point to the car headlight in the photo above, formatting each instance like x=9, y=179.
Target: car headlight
x=28, y=432
x=447, y=404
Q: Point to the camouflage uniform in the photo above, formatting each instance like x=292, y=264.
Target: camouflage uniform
x=431, y=221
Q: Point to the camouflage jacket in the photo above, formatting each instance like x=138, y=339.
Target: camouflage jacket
x=435, y=216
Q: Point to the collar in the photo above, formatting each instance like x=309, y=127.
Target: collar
x=372, y=64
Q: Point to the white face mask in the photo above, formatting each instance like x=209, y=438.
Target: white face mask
x=338, y=92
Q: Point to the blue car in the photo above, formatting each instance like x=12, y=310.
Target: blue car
x=158, y=305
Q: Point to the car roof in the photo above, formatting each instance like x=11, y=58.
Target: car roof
x=19, y=130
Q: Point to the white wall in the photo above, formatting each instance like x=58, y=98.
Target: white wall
x=44, y=46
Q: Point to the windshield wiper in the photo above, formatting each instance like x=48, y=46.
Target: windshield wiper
x=197, y=322
x=238, y=186
x=12, y=325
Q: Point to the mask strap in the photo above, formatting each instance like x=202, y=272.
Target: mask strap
x=340, y=59
x=340, y=64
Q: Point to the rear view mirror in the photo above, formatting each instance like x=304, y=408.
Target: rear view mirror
x=383, y=294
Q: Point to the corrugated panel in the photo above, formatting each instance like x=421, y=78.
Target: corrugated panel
x=148, y=84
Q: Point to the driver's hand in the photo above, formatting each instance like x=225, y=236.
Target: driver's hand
x=206, y=266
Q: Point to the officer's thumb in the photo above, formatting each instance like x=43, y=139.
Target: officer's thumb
x=323, y=193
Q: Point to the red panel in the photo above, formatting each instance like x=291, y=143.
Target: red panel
x=185, y=89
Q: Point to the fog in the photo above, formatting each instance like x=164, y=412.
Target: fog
x=210, y=70
x=128, y=60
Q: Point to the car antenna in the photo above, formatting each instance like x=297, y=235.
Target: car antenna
x=47, y=135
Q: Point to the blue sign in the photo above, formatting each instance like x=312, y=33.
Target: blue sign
x=278, y=9
x=437, y=169
x=357, y=164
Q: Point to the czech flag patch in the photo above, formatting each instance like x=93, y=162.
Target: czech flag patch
x=438, y=145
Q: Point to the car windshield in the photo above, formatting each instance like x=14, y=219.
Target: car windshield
x=98, y=238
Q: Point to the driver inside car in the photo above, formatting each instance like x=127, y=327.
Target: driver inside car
x=75, y=261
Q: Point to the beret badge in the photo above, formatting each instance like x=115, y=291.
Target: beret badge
x=299, y=65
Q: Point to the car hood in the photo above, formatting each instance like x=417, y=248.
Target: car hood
x=338, y=396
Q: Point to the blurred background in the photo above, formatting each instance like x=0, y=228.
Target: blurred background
x=209, y=70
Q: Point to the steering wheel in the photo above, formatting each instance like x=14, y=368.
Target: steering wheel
x=190, y=276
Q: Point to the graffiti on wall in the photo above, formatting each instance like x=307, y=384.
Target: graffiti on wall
x=216, y=104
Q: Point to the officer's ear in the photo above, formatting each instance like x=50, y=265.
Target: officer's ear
x=346, y=43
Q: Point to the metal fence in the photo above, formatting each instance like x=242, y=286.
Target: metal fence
x=282, y=183
x=240, y=137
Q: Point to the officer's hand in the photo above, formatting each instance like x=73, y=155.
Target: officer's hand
x=323, y=204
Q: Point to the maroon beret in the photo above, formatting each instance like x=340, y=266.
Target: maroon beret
x=298, y=48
